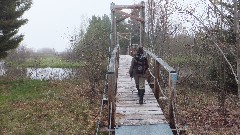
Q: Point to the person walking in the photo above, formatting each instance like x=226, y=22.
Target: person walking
x=138, y=69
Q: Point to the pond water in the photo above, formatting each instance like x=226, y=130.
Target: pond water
x=50, y=73
x=39, y=73
x=2, y=69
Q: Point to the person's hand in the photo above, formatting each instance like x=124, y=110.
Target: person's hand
x=131, y=75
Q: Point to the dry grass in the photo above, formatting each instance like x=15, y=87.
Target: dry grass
x=59, y=108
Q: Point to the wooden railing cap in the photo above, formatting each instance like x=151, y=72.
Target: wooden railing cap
x=160, y=61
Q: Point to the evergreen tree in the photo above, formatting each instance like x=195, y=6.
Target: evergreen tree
x=93, y=48
x=11, y=20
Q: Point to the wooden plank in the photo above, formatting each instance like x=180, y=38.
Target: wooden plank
x=128, y=108
x=139, y=122
x=134, y=99
x=135, y=105
x=127, y=6
x=119, y=102
x=139, y=112
x=133, y=94
x=143, y=117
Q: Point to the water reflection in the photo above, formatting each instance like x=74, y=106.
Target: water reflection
x=50, y=73
x=39, y=73
x=2, y=69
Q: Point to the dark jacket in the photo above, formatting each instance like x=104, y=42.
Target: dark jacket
x=132, y=70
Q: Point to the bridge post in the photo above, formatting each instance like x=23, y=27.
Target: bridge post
x=113, y=28
x=172, y=96
x=142, y=26
x=156, y=74
x=112, y=85
x=111, y=103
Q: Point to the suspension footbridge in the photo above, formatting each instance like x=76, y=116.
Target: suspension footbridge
x=125, y=115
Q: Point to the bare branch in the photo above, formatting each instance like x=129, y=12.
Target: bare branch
x=206, y=28
x=221, y=13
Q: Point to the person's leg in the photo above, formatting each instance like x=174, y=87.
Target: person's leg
x=136, y=78
x=141, y=89
x=137, y=86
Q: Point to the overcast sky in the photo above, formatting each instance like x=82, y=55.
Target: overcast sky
x=52, y=21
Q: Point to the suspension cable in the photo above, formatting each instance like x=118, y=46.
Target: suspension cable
x=150, y=71
x=175, y=111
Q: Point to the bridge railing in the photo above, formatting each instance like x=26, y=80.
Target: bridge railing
x=111, y=87
x=163, y=79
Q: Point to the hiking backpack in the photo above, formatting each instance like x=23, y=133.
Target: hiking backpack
x=140, y=64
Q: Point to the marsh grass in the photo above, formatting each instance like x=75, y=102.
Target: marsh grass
x=46, y=107
x=43, y=62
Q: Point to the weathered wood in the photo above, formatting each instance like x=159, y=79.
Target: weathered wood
x=136, y=6
x=139, y=121
x=111, y=86
x=142, y=25
x=120, y=102
x=111, y=99
x=129, y=15
x=128, y=109
x=144, y=108
x=156, y=87
x=131, y=104
x=111, y=67
x=138, y=112
x=113, y=28
x=172, y=95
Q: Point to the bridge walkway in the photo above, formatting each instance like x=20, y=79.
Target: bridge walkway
x=131, y=117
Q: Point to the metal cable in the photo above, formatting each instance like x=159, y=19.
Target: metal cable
x=150, y=71
x=161, y=89
x=173, y=103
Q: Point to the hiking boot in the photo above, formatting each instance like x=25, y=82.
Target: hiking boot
x=140, y=100
x=141, y=97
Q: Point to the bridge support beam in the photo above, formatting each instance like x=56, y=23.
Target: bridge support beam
x=118, y=9
x=113, y=28
x=142, y=25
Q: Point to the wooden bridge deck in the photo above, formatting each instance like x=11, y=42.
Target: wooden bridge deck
x=131, y=114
